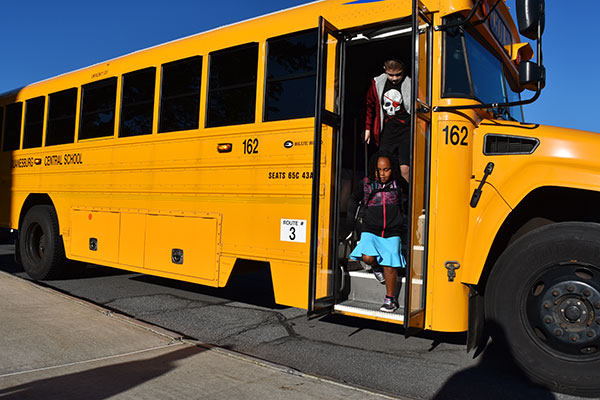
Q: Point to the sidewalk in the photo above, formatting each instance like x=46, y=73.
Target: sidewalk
x=54, y=346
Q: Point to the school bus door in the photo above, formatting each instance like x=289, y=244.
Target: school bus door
x=327, y=127
x=416, y=272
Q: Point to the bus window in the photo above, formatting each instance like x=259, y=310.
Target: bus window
x=474, y=72
x=12, y=127
x=62, y=107
x=34, y=122
x=232, y=86
x=486, y=72
x=456, y=78
x=98, y=101
x=137, y=104
x=180, y=95
x=516, y=112
x=291, y=76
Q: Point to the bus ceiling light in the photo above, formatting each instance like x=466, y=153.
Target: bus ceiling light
x=224, y=147
x=360, y=36
x=380, y=35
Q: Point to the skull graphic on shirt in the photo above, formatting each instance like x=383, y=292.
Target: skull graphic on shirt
x=392, y=101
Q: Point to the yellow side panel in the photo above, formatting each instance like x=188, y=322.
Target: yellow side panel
x=131, y=243
x=226, y=265
x=192, y=239
x=451, y=193
x=95, y=235
x=290, y=283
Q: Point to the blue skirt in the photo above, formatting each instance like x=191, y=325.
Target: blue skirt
x=387, y=250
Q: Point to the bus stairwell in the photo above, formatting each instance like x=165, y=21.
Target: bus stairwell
x=358, y=292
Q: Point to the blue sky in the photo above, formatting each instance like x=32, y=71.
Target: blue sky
x=46, y=38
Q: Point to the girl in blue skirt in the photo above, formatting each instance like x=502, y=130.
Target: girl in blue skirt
x=379, y=244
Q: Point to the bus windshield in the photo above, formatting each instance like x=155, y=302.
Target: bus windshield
x=472, y=71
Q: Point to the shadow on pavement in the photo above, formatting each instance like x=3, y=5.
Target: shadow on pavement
x=495, y=377
x=255, y=288
x=73, y=269
x=359, y=324
x=102, y=382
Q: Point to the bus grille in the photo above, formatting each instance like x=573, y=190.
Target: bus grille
x=495, y=144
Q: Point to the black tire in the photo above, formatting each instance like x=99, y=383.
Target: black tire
x=40, y=244
x=542, y=302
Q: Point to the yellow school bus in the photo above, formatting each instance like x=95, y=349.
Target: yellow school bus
x=237, y=146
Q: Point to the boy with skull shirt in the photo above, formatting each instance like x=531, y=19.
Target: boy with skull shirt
x=388, y=113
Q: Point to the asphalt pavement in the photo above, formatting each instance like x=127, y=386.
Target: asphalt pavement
x=232, y=342
x=55, y=346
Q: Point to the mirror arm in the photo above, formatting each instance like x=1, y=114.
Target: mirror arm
x=539, y=44
x=492, y=105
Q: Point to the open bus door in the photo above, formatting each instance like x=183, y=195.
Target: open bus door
x=416, y=272
x=327, y=127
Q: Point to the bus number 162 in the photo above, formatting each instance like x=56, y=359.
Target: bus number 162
x=456, y=135
x=251, y=146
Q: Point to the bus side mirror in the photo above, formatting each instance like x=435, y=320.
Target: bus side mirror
x=530, y=74
x=530, y=13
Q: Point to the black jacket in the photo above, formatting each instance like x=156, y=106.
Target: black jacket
x=382, y=208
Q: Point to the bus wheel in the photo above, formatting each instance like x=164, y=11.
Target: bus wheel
x=40, y=244
x=542, y=303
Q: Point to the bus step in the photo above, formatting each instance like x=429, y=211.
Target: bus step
x=363, y=287
x=368, y=310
